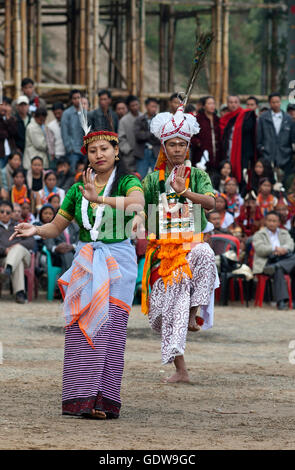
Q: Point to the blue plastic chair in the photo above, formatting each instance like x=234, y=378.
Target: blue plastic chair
x=52, y=273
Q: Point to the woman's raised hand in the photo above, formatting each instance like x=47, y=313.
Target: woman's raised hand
x=23, y=230
x=89, y=191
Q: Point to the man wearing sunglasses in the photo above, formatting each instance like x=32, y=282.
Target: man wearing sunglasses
x=14, y=255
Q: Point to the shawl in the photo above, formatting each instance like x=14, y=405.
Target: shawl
x=18, y=196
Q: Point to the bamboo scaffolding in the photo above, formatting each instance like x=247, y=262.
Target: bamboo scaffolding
x=17, y=48
x=77, y=34
x=225, y=51
x=142, y=51
x=39, y=41
x=218, y=82
x=95, y=52
x=128, y=46
x=171, y=43
x=213, y=55
x=133, y=89
x=89, y=42
x=24, y=38
x=7, y=41
x=82, y=42
x=31, y=41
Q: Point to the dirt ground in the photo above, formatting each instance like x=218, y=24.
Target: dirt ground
x=241, y=395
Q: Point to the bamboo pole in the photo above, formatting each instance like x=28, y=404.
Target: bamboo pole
x=162, y=28
x=24, y=38
x=213, y=54
x=95, y=52
x=171, y=43
x=39, y=42
x=89, y=39
x=7, y=51
x=17, y=48
x=142, y=51
x=77, y=34
x=128, y=45
x=82, y=42
x=31, y=41
x=225, y=51
x=69, y=42
x=218, y=51
x=133, y=48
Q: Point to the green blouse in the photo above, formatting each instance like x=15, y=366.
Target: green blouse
x=199, y=183
x=115, y=225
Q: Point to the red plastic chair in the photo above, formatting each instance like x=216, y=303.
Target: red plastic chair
x=32, y=281
x=260, y=288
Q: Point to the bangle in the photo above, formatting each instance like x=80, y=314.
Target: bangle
x=142, y=214
x=182, y=192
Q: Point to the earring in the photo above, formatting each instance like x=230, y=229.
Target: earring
x=117, y=158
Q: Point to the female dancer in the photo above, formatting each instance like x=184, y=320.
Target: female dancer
x=98, y=288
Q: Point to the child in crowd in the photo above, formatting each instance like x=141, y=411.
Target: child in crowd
x=50, y=187
x=54, y=200
x=227, y=219
x=234, y=200
x=26, y=214
x=266, y=201
x=225, y=171
x=14, y=162
x=282, y=208
x=262, y=169
x=250, y=217
x=19, y=189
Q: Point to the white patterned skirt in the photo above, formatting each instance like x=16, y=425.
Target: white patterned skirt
x=169, y=307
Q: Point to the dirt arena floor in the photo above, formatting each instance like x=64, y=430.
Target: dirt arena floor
x=241, y=395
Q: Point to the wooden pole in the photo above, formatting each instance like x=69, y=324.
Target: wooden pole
x=31, y=41
x=128, y=45
x=24, y=38
x=171, y=43
x=89, y=39
x=218, y=51
x=133, y=47
x=39, y=42
x=225, y=52
x=274, y=52
x=17, y=48
x=82, y=42
x=162, y=48
x=7, y=51
x=77, y=35
x=142, y=51
x=95, y=53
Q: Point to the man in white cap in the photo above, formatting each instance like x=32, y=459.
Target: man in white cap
x=180, y=274
x=23, y=118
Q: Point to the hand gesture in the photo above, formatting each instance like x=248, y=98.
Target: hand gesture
x=138, y=230
x=89, y=191
x=179, y=181
x=23, y=230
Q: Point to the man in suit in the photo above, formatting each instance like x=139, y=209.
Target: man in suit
x=276, y=136
x=274, y=256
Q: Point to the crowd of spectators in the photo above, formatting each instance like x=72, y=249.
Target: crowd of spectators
x=247, y=151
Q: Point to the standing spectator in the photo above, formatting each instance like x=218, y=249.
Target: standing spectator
x=8, y=131
x=173, y=103
x=121, y=109
x=85, y=103
x=104, y=118
x=50, y=187
x=276, y=136
x=252, y=103
x=14, y=255
x=126, y=133
x=209, y=137
x=238, y=133
x=71, y=130
x=65, y=177
x=147, y=145
x=271, y=245
x=23, y=119
x=56, y=147
x=291, y=111
x=282, y=208
x=13, y=163
x=266, y=201
x=36, y=139
x=223, y=110
x=28, y=89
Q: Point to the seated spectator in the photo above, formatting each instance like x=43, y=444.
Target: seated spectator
x=16, y=213
x=266, y=201
x=36, y=143
x=274, y=256
x=28, y=89
x=215, y=219
x=234, y=200
x=62, y=248
x=23, y=119
x=14, y=162
x=80, y=167
x=55, y=144
x=226, y=219
x=26, y=214
x=46, y=215
x=282, y=208
x=250, y=217
x=54, y=200
x=262, y=169
x=3, y=193
x=224, y=172
x=35, y=175
x=50, y=187
x=19, y=189
x=14, y=255
x=64, y=175
x=291, y=195
x=121, y=109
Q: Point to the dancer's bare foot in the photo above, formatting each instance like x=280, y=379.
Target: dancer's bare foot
x=179, y=376
x=98, y=414
x=192, y=322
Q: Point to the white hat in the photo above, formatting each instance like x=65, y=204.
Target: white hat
x=167, y=126
x=22, y=99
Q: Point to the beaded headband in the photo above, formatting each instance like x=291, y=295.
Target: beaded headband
x=98, y=135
